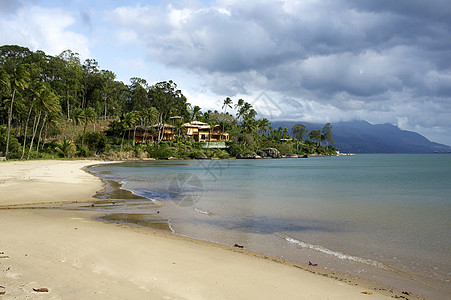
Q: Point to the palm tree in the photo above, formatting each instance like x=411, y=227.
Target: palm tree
x=227, y=103
x=65, y=148
x=130, y=120
x=196, y=112
x=35, y=90
x=46, y=103
x=18, y=82
x=52, y=109
x=88, y=114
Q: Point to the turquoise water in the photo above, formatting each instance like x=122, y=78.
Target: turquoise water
x=382, y=217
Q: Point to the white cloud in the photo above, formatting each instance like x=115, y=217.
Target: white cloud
x=44, y=29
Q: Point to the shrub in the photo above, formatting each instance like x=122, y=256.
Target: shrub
x=65, y=148
x=197, y=154
x=161, y=151
x=94, y=142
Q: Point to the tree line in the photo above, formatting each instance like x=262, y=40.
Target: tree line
x=59, y=105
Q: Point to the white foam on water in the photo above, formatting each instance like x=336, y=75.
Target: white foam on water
x=202, y=211
x=337, y=254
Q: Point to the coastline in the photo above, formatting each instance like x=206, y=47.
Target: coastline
x=110, y=260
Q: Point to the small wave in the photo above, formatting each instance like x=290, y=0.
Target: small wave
x=340, y=255
x=202, y=211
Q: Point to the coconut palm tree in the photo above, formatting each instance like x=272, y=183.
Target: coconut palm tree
x=196, y=112
x=227, y=103
x=18, y=82
x=46, y=103
x=36, y=88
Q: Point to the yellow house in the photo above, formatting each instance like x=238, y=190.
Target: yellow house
x=203, y=132
x=198, y=131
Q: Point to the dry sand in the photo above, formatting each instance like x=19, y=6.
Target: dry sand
x=25, y=182
x=76, y=257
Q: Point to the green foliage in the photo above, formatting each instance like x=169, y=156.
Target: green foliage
x=286, y=148
x=115, y=128
x=95, y=142
x=65, y=148
x=326, y=134
x=14, y=145
x=39, y=91
x=159, y=151
x=218, y=153
x=197, y=154
x=82, y=151
x=315, y=135
x=299, y=131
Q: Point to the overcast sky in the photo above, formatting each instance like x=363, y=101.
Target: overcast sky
x=383, y=61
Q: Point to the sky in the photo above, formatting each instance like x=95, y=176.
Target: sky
x=382, y=61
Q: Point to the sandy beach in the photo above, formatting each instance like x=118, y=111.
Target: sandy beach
x=75, y=256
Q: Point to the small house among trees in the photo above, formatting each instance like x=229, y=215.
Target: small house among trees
x=195, y=130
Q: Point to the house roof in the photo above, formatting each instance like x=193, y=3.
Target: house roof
x=164, y=125
x=197, y=124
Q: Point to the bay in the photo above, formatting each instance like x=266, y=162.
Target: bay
x=384, y=217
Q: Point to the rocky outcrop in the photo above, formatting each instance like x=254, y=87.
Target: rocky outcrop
x=247, y=156
x=291, y=156
x=269, y=152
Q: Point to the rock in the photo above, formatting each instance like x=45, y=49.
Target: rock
x=291, y=156
x=247, y=156
x=303, y=156
x=262, y=154
x=272, y=152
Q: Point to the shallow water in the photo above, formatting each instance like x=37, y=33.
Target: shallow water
x=382, y=217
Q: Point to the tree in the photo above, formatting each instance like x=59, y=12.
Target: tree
x=315, y=135
x=72, y=74
x=36, y=88
x=166, y=98
x=18, y=82
x=90, y=68
x=327, y=134
x=196, y=113
x=87, y=115
x=65, y=148
x=299, y=130
x=46, y=103
x=107, y=88
x=227, y=103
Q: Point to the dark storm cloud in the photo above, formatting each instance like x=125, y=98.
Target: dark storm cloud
x=384, y=55
x=359, y=48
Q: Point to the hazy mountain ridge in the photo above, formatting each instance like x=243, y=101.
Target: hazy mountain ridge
x=363, y=137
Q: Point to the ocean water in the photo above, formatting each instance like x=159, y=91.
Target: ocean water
x=384, y=217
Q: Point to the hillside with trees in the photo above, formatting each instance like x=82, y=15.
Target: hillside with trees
x=59, y=106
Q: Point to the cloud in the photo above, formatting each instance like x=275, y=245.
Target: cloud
x=383, y=61
x=375, y=59
x=44, y=29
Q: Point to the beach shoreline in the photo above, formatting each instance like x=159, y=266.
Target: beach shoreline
x=120, y=261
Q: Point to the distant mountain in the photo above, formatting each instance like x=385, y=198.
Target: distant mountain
x=363, y=137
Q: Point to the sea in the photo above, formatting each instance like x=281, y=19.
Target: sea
x=381, y=217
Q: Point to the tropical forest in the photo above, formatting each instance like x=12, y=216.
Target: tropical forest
x=62, y=107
